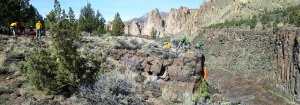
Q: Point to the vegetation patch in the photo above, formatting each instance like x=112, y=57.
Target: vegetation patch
x=5, y=91
x=111, y=90
x=202, y=93
x=61, y=70
x=3, y=71
x=267, y=18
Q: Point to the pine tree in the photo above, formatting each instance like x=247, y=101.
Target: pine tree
x=117, y=26
x=62, y=68
x=153, y=33
x=16, y=10
x=276, y=22
x=87, y=19
x=265, y=18
x=57, y=9
x=71, y=16
x=253, y=22
x=100, y=23
x=72, y=20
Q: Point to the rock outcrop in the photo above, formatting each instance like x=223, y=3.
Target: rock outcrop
x=133, y=28
x=154, y=21
x=216, y=11
x=288, y=64
x=189, y=21
x=181, y=21
x=263, y=58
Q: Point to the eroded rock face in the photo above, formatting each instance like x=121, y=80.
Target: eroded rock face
x=268, y=58
x=134, y=28
x=126, y=28
x=189, y=21
x=154, y=21
x=181, y=20
x=288, y=64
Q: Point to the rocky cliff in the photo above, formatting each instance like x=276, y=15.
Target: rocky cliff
x=154, y=21
x=264, y=59
x=181, y=21
x=132, y=28
x=189, y=21
x=288, y=71
x=216, y=11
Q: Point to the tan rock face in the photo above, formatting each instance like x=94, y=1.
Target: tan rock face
x=134, y=28
x=154, y=21
x=181, y=20
x=185, y=21
x=288, y=62
x=126, y=28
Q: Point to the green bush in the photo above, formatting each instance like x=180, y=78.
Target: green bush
x=202, y=92
x=5, y=91
x=48, y=73
x=40, y=69
x=3, y=71
x=153, y=34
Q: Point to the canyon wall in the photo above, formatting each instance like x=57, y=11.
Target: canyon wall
x=185, y=21
x=287, y=57
x=269, y=57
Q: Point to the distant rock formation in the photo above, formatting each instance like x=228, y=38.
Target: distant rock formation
x=134, y=28
x=181, y=20
x=185, y=21
x=154, y=21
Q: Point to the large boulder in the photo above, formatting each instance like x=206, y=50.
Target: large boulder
x=156, y=66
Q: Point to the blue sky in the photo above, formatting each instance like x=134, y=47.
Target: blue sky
x=128, y=9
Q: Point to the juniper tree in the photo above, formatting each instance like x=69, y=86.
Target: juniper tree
x=71, y=16
x=61, y=69
x=117, y=26
x=87, y=20
x=265, y=18
x=153, y=33
x=100, y=23
x=15, y=10
x=253, y=22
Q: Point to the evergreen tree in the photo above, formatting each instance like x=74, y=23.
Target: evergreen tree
x=293, y=16
x=71, y=16
x=87, y=19
x=153, y=33
x=100, y=23
x=117, y=26
x=72, y=20
x=16, y=10
x=276, y=22
x=64, y=15
x=61, y=69
x=265, y=18
x=253, y=22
